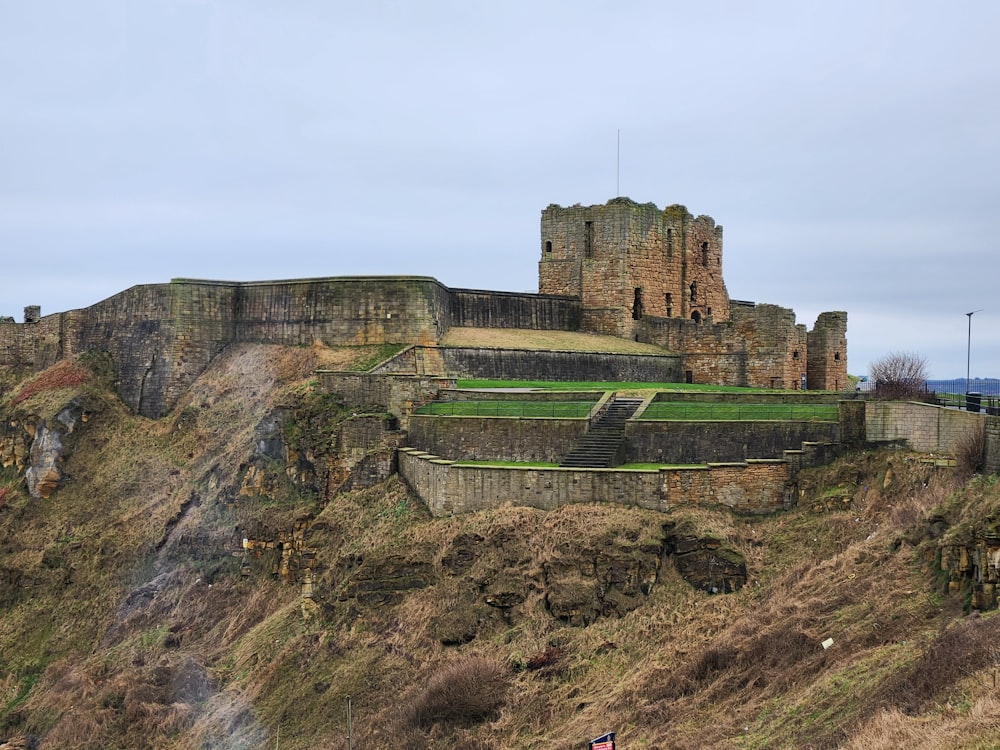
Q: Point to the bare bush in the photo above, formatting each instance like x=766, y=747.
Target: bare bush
x=969, y=452
x=900, y=376
x=466, y=692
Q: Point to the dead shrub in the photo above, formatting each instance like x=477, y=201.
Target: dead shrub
x=548, y=660
x=465, y=692
x=710, y=663
x=969, y=452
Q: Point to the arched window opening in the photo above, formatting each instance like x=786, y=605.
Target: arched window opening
x=694, y=292
x=696, y=316
x=795, y=354
x=548, y=246
x=704, y=254
x=836, y=356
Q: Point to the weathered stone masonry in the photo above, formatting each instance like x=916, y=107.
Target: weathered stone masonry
x=656, y=276
x=623, y=268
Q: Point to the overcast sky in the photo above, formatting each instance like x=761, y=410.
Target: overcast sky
x=850, y=149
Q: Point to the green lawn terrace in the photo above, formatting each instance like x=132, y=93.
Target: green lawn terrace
x=661, y=401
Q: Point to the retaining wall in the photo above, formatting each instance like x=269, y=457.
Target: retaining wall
x=675, y=442
x=920, y=427
x=495, y=438
x=517, y=364
x=447, y=489
x=397, y=394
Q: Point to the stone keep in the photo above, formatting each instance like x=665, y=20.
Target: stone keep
x=656, y=276
x=627, y=260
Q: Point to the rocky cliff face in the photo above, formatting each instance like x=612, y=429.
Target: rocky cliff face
x=229, y=575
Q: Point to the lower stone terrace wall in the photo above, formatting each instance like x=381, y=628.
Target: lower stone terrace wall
x=447, y=489
x=921, y=427
x=674, y=442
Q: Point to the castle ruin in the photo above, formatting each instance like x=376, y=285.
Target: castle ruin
x=625, y=269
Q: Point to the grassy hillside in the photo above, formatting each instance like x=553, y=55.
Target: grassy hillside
x=134, y=617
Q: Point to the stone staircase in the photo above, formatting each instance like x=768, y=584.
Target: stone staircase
x=601, y=446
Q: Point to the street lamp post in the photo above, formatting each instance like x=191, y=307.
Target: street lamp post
x=968, y=356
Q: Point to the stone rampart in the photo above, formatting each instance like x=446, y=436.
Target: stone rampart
x=347, y=310
x=483, y=309
x=448, y=488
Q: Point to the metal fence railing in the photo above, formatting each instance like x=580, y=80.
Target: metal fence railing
x=559, y=409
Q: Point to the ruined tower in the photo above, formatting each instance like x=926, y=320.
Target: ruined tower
x=626, y=261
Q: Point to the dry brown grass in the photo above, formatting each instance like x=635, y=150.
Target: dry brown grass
x=970, y=452
x=974, y=727
x=683, y=669
x=467, y=691
x=63, y=374
x=513, y=338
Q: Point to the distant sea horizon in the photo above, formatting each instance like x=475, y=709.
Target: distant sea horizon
x=985, y=386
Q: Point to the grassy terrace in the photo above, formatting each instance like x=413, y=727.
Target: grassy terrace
x=560, y=409
x=708, y=412
x=547, y=465
x=583, y=385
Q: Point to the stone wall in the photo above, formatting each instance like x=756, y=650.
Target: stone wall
x=483, y=309
x=494, y=438
x=397, y=394
x=351, y=310
x=761, y=346
x=447, y=488
x=519, y=364
x=675, y=442
x=827, y=362
x=991, y=453
x=626, y=260
x=920, y=427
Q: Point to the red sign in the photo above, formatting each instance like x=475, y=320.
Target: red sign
x=604, y=742
x=603, y=746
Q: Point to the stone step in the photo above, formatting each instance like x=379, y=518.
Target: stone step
x=599, y=447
